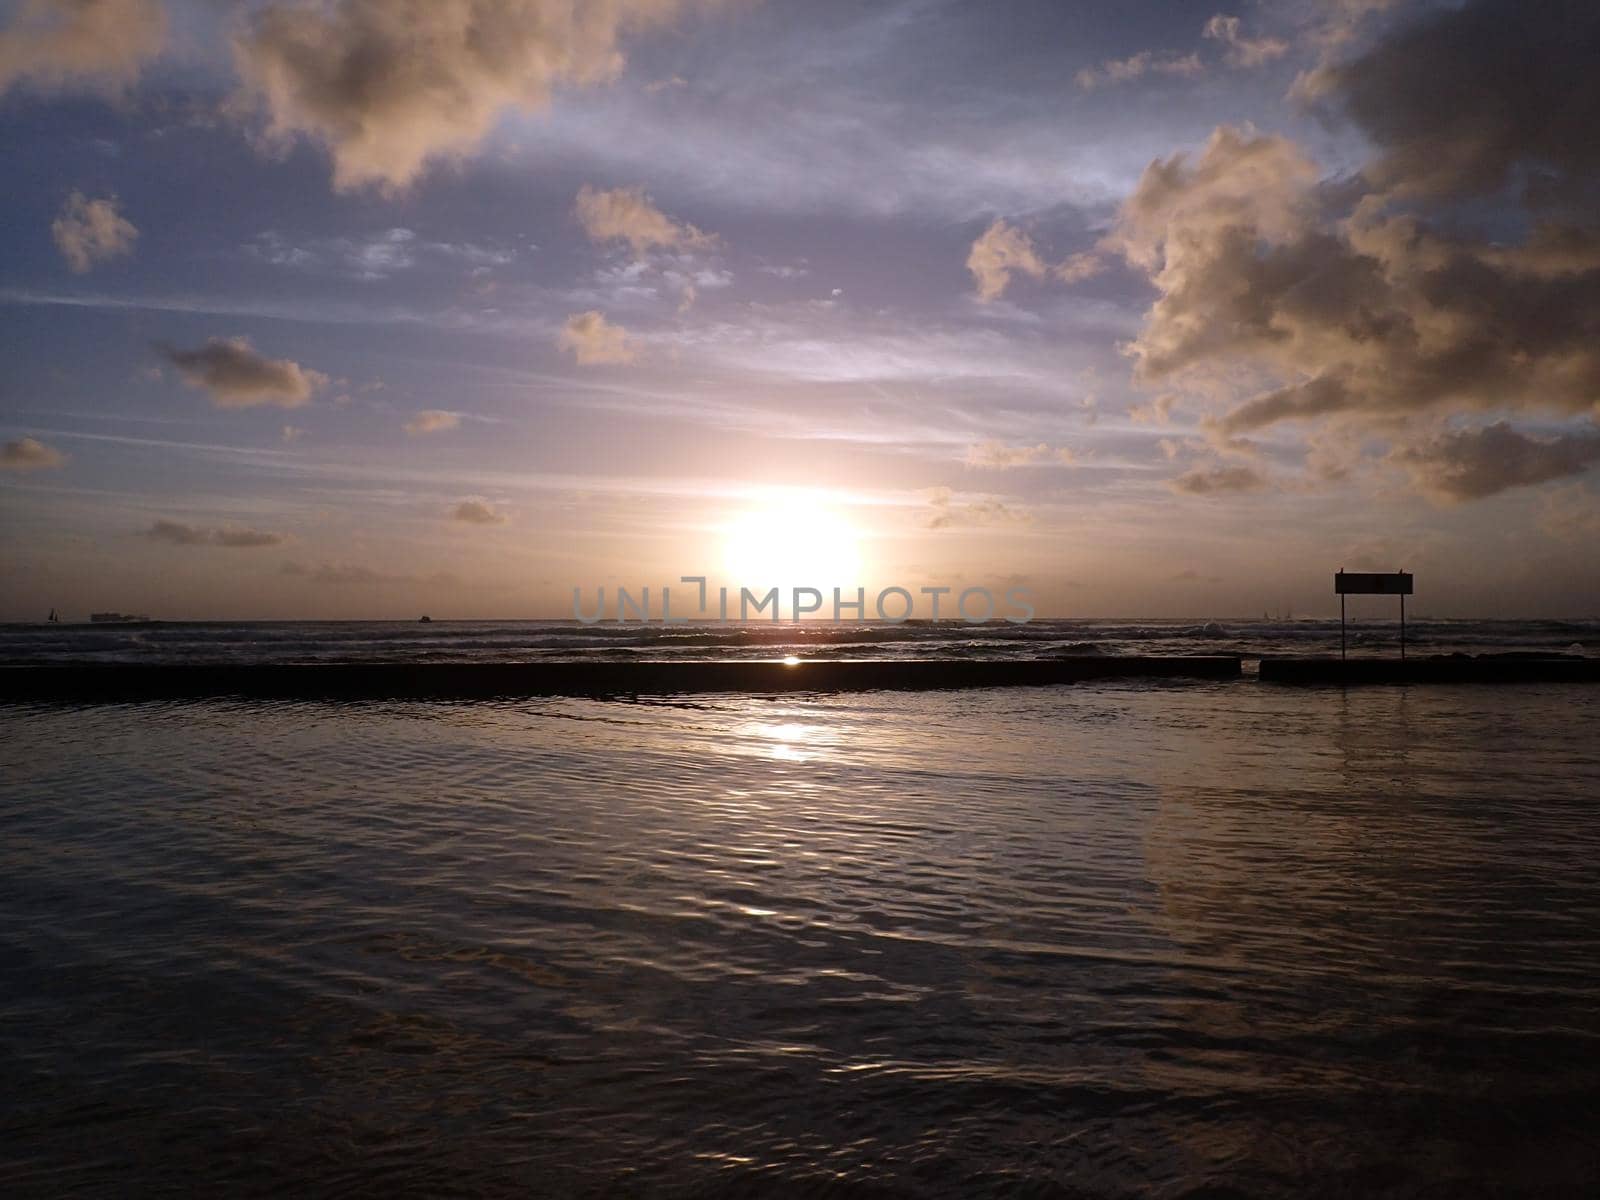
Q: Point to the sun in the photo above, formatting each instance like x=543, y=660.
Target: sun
x=794, y=542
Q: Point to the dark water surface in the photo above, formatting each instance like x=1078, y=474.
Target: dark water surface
x=534, y=641
x=1111, y=940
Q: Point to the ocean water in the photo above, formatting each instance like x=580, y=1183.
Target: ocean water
x=526, y=641
x=1109, y=940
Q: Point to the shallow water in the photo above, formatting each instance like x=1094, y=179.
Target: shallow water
x=1110, y=940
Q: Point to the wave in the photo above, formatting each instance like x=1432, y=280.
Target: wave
x=512, y=641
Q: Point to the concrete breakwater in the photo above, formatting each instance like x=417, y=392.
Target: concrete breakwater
x=355, y=681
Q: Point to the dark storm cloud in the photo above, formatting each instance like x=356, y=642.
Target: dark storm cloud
x=1472, y=463
x=1469, y=99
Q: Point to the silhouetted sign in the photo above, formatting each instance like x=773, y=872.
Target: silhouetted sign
x=1372, y=583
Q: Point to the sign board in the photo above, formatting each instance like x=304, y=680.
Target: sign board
x=1372, y=583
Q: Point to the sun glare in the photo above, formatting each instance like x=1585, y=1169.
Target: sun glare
x=796, y=542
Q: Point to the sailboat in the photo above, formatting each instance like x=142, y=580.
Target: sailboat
x=53, y=619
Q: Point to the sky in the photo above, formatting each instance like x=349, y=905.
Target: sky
x=370, y=308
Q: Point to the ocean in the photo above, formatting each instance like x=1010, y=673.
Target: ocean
x=530, y=641
x=1115, y=939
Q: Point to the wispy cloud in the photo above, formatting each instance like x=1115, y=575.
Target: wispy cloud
x=234, y=538
x=945, y=510
x=996, y=455
x=354, y=574
x=375, y=256
x=1243, y=51
x=433, y=420
x=1219, y=480
x=1136, y=66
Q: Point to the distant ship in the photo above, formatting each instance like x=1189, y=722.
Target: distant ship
x=424, y=619
x=52, y=618
x=115, y=618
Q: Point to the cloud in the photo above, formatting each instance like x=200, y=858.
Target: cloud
x=54, y=44
x=178, y=534
x=1243, y=51
x=1570, y=514
x=1256, y=184
x=433, y=420
x=1218, y=481
x=1000, y=251
x=373, y=256
x=1003, y=250
x=237, y=376
x=1075, y=268
x=292, y=433
x=389, y=85
x=943, y=512
x=28, y=454
x=478, y=512
x=1340, y=310
x=627, y=215
x=91, y=231
x=999, y=456
x=1521, y=101
x=1136, y=66
x=594, y=340
x=1470, y=464
x=1382, y=553
x=1157, y=412
x=1342, y=19
x=346, y=574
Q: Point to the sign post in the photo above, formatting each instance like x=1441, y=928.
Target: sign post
x=1372, y=583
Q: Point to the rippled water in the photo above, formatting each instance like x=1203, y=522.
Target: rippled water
x=1112, y=940
x=528, y=641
